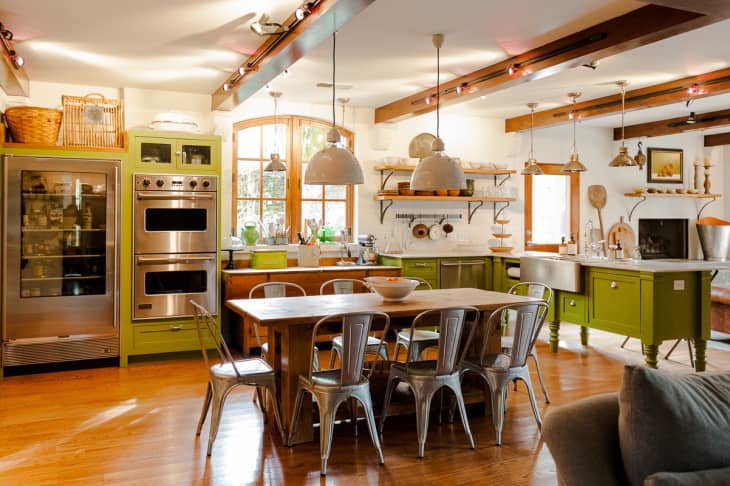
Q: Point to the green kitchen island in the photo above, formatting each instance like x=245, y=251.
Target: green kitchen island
x=652, y=300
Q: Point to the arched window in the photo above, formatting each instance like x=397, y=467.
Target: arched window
x=279, y=199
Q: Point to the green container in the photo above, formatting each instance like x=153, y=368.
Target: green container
x=268, y=259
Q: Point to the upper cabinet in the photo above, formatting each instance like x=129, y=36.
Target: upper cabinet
x=178, y=151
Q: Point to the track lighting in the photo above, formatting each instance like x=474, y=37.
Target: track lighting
x=513, y=69
x=7, y=37
x=304, y=10
x=695, y=90
x=262, y=26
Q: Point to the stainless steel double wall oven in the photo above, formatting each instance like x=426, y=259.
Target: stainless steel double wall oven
x=175, y=244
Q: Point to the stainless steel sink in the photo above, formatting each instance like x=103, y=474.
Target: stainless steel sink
x=556, y=272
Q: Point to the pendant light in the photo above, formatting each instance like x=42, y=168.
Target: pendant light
x=438, y=170
x=333, y=164
x=276, y=165
x=343, y=102
x=573, y=164
x=623, y=159
x=532, y=168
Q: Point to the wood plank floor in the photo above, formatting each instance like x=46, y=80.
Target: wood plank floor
x=136, y=426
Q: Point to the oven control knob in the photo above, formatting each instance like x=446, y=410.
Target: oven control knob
x=160, y=183
x=193, y=183
x=206, y=183
x=146, y=182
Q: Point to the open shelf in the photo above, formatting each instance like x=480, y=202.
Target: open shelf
x=645, y=195
x=411, y=168
x=473, y=202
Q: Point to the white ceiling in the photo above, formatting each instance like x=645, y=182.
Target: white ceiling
x=385, y=53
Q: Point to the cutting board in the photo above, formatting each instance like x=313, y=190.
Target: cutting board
x=624, y=233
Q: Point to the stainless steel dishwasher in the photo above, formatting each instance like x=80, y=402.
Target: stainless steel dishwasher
x=462, y=274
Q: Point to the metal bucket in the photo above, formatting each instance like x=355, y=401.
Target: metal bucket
x=714, y=238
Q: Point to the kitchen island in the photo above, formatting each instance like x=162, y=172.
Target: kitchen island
x=652, y=300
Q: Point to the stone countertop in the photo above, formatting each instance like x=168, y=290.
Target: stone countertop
x=668, y=265
x=324, y=268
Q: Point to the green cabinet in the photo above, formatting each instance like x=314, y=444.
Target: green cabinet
x=615, y=303
x=427, y=269
x=174, y=151
x=571, y=307
x=502, y=281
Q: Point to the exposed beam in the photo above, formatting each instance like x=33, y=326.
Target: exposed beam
x=14, y=81
x=717, y=139
x=675, y=125
x=707, y=7
x=713, y=83
x=277, y=53
x=634, y=29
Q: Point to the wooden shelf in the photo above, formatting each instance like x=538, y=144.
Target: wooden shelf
x=388, y=197
x=411, y=168
x=645, y=195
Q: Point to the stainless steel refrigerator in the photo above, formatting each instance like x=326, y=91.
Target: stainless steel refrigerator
x=60, y=285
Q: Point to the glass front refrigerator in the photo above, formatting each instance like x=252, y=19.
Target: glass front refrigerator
x=60, y=259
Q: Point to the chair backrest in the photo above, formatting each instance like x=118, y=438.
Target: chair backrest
x=355, y=330
x=205, y=325
x=423, y=284
x=276, y=289
x=451, y=324
x=528, y=319
x=343, y=286
x=536, y=290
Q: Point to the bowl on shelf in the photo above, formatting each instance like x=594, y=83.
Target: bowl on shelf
x=453, y=192
x=441, y=192
x=424, y=193
x=466, y=192
x=406, y=192
x=501, y=221
x=392, y=289
x=501, y=249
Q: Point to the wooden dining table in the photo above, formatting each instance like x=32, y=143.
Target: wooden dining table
x=291, y=321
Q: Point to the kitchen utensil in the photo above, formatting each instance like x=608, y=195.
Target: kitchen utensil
x=448, y=228
x=597, y=198
x=435, y=232
x=420, y=145
x=420, y=231
x=625, y=234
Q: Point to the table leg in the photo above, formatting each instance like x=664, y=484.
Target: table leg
x=554, y=336
x=292, y=345
x=584, y=335
x=650, y=354
x=700, y=358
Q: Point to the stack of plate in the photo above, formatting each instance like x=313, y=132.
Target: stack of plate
x=501, y=235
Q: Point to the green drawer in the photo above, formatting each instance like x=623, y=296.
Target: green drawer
x=616, y=303
x=572, y=307
x=426, y=269
x=165, y=338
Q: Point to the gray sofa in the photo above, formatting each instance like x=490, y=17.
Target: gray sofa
x=660, y=429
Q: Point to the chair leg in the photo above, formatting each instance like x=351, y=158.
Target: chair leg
x=386, y=401
x=459, y=399
x=498, y=410
x=384, y=352
x=533, y=400
x=206, y=406
x=277, y=411
x=533, y=353
x=262, y=403
x=219, y=394
x=315, y=359
x=397, y=347
x=423, y=408
x=334, y=355
x=353, y=416
x=326, y=430
x=367, y=405
x=295, y=416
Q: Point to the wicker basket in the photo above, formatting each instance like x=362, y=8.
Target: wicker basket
x=93, y=121
x=32, y=124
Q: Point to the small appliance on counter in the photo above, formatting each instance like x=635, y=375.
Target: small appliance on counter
x=368, y=250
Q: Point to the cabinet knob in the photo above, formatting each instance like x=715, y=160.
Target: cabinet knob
x=571, y=303
x=175, y=327
x=614, y=285
x=420, y=265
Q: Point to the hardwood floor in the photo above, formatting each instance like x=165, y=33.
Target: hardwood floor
x=136, y=426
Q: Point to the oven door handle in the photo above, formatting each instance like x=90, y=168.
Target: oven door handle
x=149, y=260
x=177, y=197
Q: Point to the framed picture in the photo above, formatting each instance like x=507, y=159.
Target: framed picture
x=664, y=165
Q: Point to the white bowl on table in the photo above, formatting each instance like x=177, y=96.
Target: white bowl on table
x=392, y=289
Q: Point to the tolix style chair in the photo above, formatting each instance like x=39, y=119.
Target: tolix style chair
x=422, y=338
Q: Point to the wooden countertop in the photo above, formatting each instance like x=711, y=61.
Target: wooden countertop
x=327, y=268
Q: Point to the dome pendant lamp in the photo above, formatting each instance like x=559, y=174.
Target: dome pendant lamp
x=438, y=170
x=276, y=165
x=333, y=165
x=532, y=168
x=573, y=164
x=623, y=159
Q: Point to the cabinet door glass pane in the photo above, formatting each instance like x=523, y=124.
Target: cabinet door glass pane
x=550, y=208
x=63, y=234
x=196, y=154
x=249, y=178
x=248, y=142
x=156, y=153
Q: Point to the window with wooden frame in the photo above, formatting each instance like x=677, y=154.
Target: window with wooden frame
x=280, y=200
x=551, y=208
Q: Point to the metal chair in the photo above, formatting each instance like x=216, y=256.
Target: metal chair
x=538, y=291
x=421, y=338
x=499, y=370
x=349, y=286
x=227, y=374
x=425, y=378
x=277, y=289
x=331, y=388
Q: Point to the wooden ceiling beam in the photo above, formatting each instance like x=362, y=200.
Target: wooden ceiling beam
x=675, y=125
x=713, y=83
x=634, y=29
x=279, y=52
x=717, y=139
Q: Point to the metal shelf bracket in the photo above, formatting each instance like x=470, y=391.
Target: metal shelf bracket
x=384, y=208
x=470, y=211
x=384, y=181
x=498, y=213
x=631, y=213
x=502, y=181
x=699, y=213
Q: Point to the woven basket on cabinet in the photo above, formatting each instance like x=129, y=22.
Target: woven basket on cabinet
x=32, y=124
x=93, y=121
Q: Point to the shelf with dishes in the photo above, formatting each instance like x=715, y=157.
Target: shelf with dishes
x=644, y=195
x=501, y=235
x=387, y=170
x=473, y=202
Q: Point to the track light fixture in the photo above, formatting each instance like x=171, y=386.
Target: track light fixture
x=262, y=26
x=7, y=37
x=513, y=69
x=304, y=10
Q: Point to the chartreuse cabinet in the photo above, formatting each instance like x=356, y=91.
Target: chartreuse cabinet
x=176, y=152
x=429, y=269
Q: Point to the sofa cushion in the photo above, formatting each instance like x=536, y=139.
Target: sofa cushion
x=673, y=423
x=708, y=477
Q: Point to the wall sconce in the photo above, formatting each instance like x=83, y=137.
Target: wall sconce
x=6, y=36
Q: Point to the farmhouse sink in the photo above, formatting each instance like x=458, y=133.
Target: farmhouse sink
x=556, y=272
